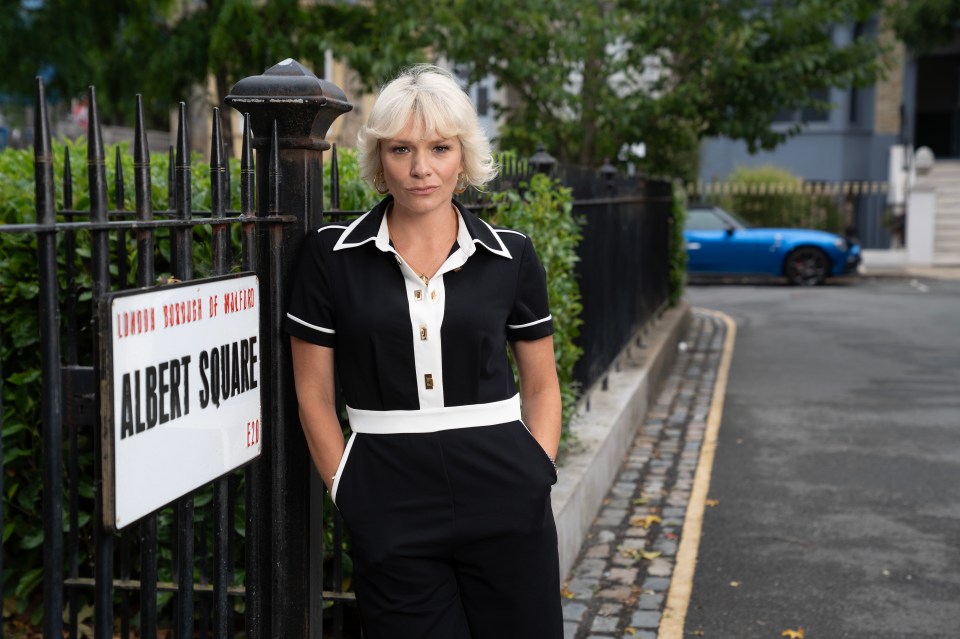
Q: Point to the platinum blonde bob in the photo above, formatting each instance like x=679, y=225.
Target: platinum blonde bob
x=433, y=98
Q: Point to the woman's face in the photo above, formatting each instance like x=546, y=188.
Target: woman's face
x=420, y=170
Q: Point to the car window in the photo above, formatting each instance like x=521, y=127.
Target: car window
x=704, y=220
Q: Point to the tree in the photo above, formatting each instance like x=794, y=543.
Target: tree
x=587, y=79
x=924, y=25
x=591, y=79
x=160, y=48
x=74, y=44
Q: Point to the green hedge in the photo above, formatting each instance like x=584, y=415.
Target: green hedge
x=544, y=211
x=20, y=351
x=678, y=245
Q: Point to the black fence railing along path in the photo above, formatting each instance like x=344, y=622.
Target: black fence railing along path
x=212, y=570
x=274, y=576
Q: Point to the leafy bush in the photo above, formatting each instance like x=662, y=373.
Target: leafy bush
x=678, y=245
x=19, y=347
x=544, y=211
x=770, y=196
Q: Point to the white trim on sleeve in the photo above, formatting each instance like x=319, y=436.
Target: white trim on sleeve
x=539, y=321
x=313, y=326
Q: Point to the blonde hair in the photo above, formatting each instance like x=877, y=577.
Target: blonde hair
x=432, y=96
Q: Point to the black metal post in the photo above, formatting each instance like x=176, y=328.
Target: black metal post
x=143, y=197
x=297, y=108
x=253, y=482
x=73, y=450
x=50, y=408
x=182, y=254
x=219, y=198
x=100, y=251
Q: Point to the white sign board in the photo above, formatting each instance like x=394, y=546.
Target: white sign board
x=181, y=384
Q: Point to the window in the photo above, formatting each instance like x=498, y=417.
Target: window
x=704, y=220
x=483, y=100
x=814, y=114
x=806, y=114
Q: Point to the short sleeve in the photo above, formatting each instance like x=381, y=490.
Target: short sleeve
x=310, y=312
x=530, y=317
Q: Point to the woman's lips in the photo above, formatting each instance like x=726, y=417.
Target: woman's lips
x=422, y=190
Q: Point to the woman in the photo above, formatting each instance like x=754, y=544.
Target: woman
x=445, y=482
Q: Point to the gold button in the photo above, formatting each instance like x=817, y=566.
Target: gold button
x=433, y=294
x=418, y=295
x=428, y=381
x=423, y=332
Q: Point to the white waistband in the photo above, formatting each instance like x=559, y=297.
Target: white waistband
x=430, y=420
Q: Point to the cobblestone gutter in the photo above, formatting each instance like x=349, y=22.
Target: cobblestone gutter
x=619, y=583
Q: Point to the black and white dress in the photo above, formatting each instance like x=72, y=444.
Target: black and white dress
x=445, y=492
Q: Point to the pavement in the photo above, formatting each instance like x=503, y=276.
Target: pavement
x=893, y=263
x=632, y=577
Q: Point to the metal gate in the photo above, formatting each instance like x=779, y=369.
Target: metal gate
x=267, y=581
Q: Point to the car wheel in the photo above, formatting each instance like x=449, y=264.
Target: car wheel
x=806, y=266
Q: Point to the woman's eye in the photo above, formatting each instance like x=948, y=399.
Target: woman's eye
x=441, y=148
x=399, y=149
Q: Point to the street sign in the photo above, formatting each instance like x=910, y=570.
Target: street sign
x=180, y=384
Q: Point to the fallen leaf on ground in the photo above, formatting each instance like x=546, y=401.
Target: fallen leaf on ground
x=630, y=631
x=696, y=633
x=735, y=584
x=794, y=634
x=645, y=521
x=712, y=502
x=638, y=553
x=565, y=592
x=642, y=500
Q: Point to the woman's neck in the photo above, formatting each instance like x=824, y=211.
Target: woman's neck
x=423, y=229
x=423, y=240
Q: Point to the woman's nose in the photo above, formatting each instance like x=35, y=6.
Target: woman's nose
x=419, y=167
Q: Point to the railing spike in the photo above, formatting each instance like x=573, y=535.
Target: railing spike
x=67, y=180
x=119, y=194
x=334, y=180
x=248, y=202
x=95, y=152
x=143, y=203
x=247, y=170
x=216, y=142
x=42, y=147
x=182, y=251
x=273, y=201
x=183, y=148
x=141, y=151
x=217, y=197
x=171, y=177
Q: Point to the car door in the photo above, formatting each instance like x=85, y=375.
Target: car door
x=709, y=246
x=718, y=243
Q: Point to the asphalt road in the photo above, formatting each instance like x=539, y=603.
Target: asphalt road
x=838, y=465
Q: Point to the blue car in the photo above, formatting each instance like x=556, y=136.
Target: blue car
x=720, y=243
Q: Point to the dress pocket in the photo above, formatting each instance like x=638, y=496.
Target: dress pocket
x=341, y=468
x=540, y=453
